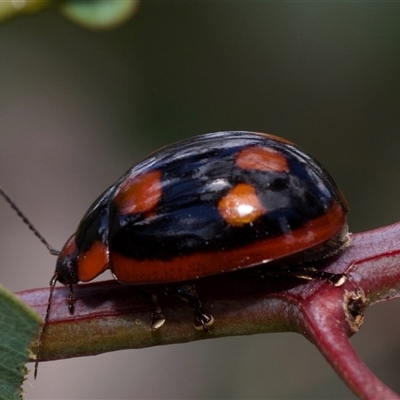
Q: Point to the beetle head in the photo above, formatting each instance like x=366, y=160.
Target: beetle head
x=66, y=267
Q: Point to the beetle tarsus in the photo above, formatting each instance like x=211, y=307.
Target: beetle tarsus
x=309, y=274
x=157, y=320
x=335, y=279
x=202, y=320
x=188, y=293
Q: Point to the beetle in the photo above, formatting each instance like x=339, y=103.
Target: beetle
x=211, y=204
x=214, y=203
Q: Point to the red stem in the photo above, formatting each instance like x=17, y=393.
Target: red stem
x=109, y=316
x=323, y=318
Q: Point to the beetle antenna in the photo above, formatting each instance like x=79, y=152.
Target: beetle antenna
x=53, y=282
x=28, y=223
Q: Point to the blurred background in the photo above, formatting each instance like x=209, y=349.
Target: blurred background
x=78, y=108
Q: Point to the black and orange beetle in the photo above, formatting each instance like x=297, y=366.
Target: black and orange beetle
x=212, y=204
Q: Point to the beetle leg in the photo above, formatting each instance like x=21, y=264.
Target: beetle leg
x=188, y=293
x=310, y=273
x=157, y=319
x=71, y=300
x=307, y=273
x=334, y=279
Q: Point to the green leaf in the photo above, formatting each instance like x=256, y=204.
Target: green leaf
x=19, y=325
x=99, y=14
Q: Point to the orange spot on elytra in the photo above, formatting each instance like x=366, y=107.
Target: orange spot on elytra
x=93, y=262
x=139, y=194
x=241, y=205
x=262, y=159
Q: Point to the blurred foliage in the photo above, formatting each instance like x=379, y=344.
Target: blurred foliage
x=92, y=14
x=13, y=8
